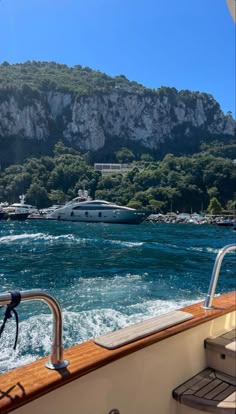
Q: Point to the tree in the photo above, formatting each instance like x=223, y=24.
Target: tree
x=158, y=206
x=142, y=197
x=213, y=192
x=214, y=206
x=57, y=196
x=231, y=205
x=135, y=204
x=38, y=196
x=146, y=157
x=124, y=155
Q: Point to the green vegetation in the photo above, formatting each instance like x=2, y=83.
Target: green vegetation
x=214, y=206
x=176, y=183
x=36, y=77
x=32, y=83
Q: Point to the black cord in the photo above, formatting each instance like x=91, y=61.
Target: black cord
x=15, y=300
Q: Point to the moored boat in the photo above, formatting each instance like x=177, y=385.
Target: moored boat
x=17, y=215
x=84, y=209
x=19, y=211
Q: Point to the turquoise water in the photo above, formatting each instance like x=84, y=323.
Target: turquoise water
x=104, y=276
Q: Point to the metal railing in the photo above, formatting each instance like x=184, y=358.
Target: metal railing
x=215, y=274
x=56, y=361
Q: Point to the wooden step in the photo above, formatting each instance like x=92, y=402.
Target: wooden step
x=210, y=391
x=221, y=352
x=225, y=343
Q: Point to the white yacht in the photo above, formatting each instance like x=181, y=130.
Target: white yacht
x=83, y=208
x=20, y=211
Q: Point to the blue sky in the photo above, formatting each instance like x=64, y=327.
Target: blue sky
x=186, y=44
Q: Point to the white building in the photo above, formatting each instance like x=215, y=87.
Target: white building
x=107, y=169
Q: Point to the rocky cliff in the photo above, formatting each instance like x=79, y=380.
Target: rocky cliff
x=115, y=114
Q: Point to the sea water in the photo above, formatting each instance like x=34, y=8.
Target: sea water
x=105, y=276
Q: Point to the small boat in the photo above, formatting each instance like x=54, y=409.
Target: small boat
x=179, y=362
x=84, y=209
x=45, y=212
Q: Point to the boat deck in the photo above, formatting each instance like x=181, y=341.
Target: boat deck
x=26, y=383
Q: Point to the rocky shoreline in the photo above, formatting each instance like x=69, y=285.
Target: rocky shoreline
x=195, y=218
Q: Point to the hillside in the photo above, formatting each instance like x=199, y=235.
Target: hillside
x=43, y=102
x=178, y=183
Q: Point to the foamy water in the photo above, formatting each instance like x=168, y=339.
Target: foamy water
x=35, y=336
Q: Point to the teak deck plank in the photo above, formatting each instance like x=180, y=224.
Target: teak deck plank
x=225, y=343
x=26, y=383
x=142, y=329
x=230, y=335
x=215, y=393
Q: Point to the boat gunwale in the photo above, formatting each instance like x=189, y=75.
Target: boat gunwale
x=26, y=383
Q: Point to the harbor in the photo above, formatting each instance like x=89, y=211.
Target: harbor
x=22, y=211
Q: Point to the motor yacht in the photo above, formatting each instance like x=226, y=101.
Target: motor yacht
x=19, y=211
x=84, y=209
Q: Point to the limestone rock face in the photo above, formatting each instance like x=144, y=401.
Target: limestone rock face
x=89, y=121
x=30, y=121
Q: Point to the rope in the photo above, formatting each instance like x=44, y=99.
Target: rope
x=15, y=300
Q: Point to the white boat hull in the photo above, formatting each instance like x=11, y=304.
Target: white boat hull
x=99, y=216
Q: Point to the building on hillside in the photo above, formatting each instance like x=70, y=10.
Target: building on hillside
x=107, y=169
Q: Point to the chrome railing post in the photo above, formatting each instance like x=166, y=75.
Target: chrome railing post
x=215, y=274
x=56, y=361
